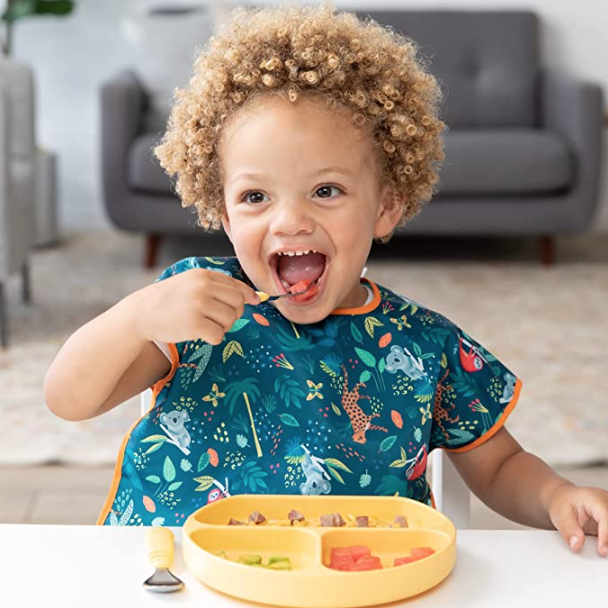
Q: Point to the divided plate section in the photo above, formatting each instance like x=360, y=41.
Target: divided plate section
x=302, y=547
x=387, y=545
x=381, y=511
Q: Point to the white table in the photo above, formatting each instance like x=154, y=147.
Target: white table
x=90, y=566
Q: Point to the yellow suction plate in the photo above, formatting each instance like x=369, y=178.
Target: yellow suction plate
x=310, y=583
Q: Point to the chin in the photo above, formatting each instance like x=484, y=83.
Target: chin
x=305, y=315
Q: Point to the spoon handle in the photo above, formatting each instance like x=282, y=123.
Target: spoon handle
x=159, y=543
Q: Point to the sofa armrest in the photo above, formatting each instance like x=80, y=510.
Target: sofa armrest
x=574, y=109
x=123, y=102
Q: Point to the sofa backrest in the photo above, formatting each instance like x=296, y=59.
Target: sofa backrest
x=487, y=62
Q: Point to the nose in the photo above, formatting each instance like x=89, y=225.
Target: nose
x=292, y=217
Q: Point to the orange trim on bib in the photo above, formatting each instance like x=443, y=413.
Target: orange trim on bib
x=492, y=431
x=366, y=307
x=156, y=388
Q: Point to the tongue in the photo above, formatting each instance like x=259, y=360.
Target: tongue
x=293, y=269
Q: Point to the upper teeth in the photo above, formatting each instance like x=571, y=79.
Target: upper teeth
x=292, y=253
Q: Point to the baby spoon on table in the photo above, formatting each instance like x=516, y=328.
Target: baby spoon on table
x=159, y=543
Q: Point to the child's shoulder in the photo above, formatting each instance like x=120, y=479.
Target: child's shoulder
x=228, y=265
x=402, y=308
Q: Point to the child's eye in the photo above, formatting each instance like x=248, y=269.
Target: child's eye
x=328, y=191
x=254, y=197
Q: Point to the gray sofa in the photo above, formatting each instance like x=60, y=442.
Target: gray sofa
x=523, y=146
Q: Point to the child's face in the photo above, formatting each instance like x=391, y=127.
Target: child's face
x=299, y=177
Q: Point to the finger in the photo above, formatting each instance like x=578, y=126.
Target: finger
x=211, y=332
x=602, y=536
x=221, y=313
x=571, y=530
x=597, y=511
x=232, y=297
x=249, y=294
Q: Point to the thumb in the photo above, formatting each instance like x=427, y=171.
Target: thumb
x=571, y=531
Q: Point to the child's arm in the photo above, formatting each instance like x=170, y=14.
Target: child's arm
x=523, y=488
x=113, y=358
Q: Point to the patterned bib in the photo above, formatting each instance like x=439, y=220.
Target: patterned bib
x=351, y=405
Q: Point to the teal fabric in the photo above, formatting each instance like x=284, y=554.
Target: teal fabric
x=350, y=405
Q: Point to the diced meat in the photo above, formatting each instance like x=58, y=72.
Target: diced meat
x=401, y=521
x=257, y=518
x=362, y=521
x=327, y=521
x=295, y=516
x=332, y=521
x=235, y=522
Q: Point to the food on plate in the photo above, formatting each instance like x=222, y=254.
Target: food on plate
x=401, y=521
x=353, y=559
x=416, y=554
x=334, y=520
x=250, y=560
x=279, y=562
x=295, y=517
x=257, y=518
x=359, y=558
x=330, y=520
x=275, y=562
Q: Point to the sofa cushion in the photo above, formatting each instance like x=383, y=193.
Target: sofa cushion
x=144, y=171
x=497, y=162
x=487, y=62
x=518, y=161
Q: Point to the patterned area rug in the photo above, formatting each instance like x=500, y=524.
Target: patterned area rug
x=549, y=325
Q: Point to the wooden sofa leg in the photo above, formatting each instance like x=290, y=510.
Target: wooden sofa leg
x=26, y=286
x=152, y=244
x=547, y=250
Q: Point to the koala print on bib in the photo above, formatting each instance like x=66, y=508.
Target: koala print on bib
x=351, y=405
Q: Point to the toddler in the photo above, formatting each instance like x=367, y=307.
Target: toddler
x=305, y=133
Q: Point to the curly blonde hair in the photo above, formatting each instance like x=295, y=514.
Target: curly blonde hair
x=299, y=51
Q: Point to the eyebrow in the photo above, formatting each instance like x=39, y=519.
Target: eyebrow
x=322, y=171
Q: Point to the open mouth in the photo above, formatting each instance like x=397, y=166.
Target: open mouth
x=299, y=270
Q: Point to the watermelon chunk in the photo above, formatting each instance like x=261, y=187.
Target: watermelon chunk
x=416, y=554
x=421, y=552
x=367, y=562
x=353, y=559
x=300, y=286
x=355, y=551
x=399, y=561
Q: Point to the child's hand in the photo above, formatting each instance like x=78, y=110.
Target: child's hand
x=197, y=304
x=578, y=511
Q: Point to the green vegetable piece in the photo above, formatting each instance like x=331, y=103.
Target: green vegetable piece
x=281, y=565
x=275, y=559
x=251, y=560
x=222, y=554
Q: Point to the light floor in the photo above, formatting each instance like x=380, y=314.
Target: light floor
x=70, y=495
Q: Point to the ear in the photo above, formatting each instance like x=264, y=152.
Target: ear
x=389, y=211
x=226, y=224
